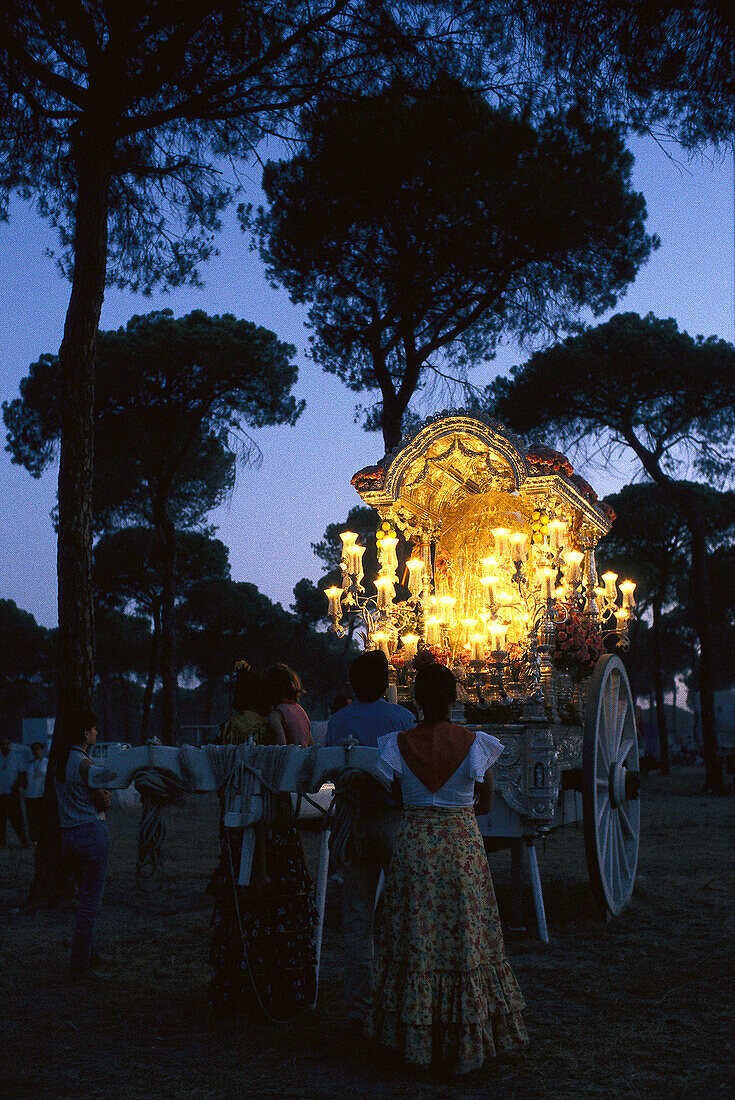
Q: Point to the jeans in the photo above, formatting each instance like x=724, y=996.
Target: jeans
x=87, y=847
x=360, y=881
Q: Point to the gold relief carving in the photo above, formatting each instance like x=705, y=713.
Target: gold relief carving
x=476, y=450
x=588, y=536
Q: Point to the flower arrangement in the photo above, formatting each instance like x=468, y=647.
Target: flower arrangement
x=542, y=457
x=402, y=666
x=462, y=657
x=579, y=644
x=515, y=662
x=432, y=655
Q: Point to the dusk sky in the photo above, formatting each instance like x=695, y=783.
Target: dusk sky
x=278, y=510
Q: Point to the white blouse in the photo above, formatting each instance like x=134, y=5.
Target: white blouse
x=459, y=790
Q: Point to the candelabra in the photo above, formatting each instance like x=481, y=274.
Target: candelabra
x=521, y=594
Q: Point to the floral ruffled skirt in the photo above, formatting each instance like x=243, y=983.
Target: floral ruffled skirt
x=263, y=947
x=443, y=990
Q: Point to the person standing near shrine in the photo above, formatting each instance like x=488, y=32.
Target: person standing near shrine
x=86, y=838
x=365, y=720
x=12, y=778
x=443, y=991
x=263, y=947
x=288, y=721
x=36, y=772
x=247, y=721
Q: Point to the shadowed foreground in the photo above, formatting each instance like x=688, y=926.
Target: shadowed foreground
x=641, y=1007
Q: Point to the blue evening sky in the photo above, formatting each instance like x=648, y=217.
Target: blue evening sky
x=278, y=510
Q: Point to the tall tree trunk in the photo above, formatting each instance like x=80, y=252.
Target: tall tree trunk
x=700, y=587
x=658, y=681
x=93, y=161
x=152, y=673
x=169, y=669
x=124, y=695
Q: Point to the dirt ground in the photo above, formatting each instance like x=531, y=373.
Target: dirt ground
x=638, y=1007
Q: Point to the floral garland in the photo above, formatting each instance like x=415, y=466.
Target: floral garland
x=432, y=655
x=515, y=661
x=429, y=655
x=579, y=645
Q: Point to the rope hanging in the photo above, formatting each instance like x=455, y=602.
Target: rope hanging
x=346, y=812
x=158, y=788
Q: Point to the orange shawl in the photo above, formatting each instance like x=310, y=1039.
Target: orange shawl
x=433, y=753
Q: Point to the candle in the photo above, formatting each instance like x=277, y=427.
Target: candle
x=415, y=568
x=387, y=554
x=410, y=641
x=498, y=632
x=573, y=558
x=446, y=603
x=353, y=554
x=468, y=626
x=478, y=644
x=489, y=564
x=381, y=637
x=432, y=630
x=334, y=595
x=518, y=546
x=628, y=588
x=501, y=534
x=505, y=596
x=386, y=592
x=489, y=584
x=348, y=538
x=621, y=616
x=610, y=589
x=548, y=573
x=557, y=527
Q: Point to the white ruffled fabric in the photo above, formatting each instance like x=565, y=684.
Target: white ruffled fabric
x=485, y=750
x=390, y=762
x=458, y=790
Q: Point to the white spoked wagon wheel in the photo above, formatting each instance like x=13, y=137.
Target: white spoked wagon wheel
x=611, y=785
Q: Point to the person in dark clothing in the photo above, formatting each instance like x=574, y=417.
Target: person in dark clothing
x=86, y=839
x=12, y=779
x=365, y=720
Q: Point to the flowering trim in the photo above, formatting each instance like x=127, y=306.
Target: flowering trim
x=432, y=655
x=579, y=645
x=539, y=455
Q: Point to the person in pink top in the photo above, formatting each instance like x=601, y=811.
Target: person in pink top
x=288, y=722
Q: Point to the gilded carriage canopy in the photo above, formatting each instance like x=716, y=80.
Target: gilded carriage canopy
x=469, y=472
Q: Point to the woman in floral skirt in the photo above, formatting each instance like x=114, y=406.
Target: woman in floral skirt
x=443, y=993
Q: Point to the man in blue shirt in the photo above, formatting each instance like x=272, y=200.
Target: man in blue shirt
x=365, y=720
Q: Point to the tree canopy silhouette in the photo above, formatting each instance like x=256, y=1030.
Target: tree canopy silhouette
x=174, y=399
x=437, y=224
x=654, y=63
x=117, y=119
x=131, y=572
